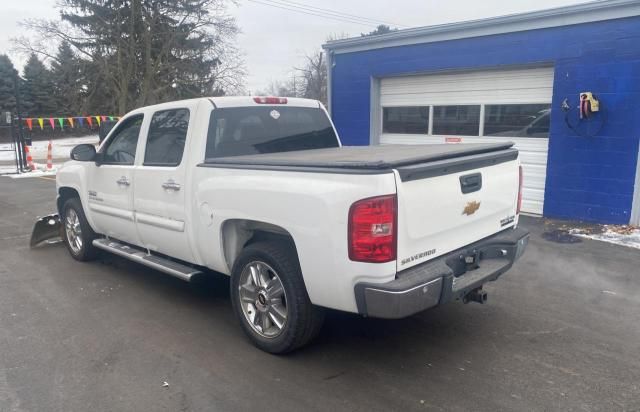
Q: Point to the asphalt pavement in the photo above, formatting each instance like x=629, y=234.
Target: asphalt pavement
x=560, y=332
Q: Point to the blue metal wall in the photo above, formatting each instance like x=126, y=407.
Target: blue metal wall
x=589, y=179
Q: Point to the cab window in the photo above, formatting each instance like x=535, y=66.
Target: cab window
x=166, y=137
x=121, y=147
x=238, y=131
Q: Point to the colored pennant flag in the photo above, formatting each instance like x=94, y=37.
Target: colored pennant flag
x=41, y=123
x=89, y=121
x=81, y=121
x=104, y=118
x=52, y=123
x=70, y=119
x=111, y=118
x=30, y=123
x=61, y=122
x=98, y=120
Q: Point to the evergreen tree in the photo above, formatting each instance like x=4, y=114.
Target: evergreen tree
x=67, y=78
x=381, y=29
x=97, y=94
x=140, y=52
x=8, y=75
x=37, y=90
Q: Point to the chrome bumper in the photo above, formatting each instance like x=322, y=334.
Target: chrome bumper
x=444, y=279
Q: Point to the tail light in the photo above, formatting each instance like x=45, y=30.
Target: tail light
x=373, y=229
x=519, y=190
x=270, y=100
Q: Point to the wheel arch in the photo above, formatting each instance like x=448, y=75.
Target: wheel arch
x=65, y=193
x=236, y=234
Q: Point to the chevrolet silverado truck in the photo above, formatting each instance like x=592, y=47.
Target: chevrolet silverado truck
x=261, y=189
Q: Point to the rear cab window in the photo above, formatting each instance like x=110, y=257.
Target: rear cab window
x=166, y=137
x=237, y=131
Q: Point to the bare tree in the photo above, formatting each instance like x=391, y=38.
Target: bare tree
x=284, y=88
x=314, y=77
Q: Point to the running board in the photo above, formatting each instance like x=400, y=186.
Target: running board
x=167, y=266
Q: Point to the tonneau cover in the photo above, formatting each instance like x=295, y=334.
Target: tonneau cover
x=362, y=157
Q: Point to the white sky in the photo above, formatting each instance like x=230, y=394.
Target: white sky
x=274, y=40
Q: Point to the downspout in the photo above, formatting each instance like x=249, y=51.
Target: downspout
x=635, y=208
x=329, y=61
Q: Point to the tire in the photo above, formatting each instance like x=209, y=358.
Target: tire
x=77, y=234
x=260, y=270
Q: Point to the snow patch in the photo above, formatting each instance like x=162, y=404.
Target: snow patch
x=619, y=235
x=34, y=173
x=5, y=169
x=60, y=148
x=60, y=152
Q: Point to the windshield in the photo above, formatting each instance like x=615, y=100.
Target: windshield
x=240, y=131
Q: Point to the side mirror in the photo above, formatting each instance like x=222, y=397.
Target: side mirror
x=84, y=153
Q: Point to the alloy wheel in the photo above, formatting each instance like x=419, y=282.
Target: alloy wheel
x=263, y=299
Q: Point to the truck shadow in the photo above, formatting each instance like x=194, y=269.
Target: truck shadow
x=451, y=323
x=439, y=332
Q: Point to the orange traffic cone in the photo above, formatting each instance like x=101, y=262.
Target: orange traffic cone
x=49, y=157
x=30, y=164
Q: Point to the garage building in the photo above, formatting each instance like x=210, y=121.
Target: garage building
x=517, y=78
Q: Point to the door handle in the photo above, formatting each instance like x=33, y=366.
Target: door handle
x=171, y=185
x=123, y=181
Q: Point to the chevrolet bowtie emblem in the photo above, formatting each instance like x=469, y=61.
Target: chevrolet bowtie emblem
x=471, y=208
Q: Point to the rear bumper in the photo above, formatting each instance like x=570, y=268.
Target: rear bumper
x=443, y=279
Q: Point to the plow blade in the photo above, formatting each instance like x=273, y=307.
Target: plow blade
x=47, y=230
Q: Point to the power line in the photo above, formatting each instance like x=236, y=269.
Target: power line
x=331, y=12
x=312, y=13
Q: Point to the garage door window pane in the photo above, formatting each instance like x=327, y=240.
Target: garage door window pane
x=456, y=120
x=517, y=120
x=407, y=120
x=166, y=138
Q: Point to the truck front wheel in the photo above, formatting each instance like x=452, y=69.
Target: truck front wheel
x=270, y=299
x=78, y=235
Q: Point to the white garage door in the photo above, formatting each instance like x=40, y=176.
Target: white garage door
x=479, y=106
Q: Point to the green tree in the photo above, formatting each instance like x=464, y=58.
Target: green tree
x=381, y=29
x=8, y=75
x=97, y=95
x=37, y=90
x=140, y=52
x=67, y=77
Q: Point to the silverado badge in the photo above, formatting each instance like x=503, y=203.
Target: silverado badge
x=471, y=208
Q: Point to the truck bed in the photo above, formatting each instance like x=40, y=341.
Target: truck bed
x=412, y=161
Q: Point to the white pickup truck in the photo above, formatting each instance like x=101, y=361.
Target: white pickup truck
x=260, y=189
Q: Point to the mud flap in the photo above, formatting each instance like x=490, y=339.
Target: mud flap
x=46, y=230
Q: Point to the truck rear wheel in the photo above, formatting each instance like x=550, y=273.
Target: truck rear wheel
x=270, y=299
x=78, y=235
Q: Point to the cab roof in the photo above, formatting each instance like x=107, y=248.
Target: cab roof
x=229, y=101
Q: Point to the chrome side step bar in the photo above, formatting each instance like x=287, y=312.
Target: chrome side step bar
x=167, y=266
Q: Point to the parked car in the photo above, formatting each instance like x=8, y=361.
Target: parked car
x=260, y=189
